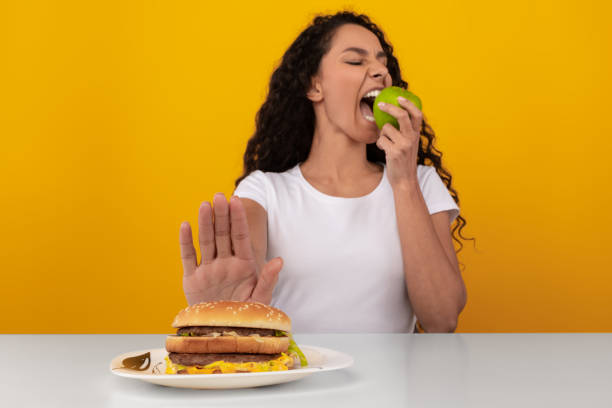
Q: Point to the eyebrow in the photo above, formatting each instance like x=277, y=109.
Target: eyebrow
x=361, y=51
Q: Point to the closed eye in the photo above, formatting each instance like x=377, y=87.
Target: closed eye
x=357, y=63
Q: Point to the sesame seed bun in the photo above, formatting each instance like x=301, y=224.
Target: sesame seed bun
x=234, y=314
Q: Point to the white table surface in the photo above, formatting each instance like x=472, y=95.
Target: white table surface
x=406, y=370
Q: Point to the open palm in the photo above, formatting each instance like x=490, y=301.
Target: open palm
x=228, y=269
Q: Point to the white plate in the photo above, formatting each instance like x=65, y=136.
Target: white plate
x=319, y=359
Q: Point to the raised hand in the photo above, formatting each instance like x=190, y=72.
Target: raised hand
x=228, y=269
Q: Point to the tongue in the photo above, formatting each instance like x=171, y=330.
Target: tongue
x=365, y=109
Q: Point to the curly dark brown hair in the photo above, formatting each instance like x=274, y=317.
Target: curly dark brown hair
x=285, y=123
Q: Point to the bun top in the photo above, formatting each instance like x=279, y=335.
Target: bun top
x=233, y=313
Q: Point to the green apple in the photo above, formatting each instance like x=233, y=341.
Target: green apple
x=389, y=95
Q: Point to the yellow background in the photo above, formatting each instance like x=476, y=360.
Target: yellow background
x=119, y=118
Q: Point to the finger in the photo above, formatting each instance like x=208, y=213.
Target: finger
x=206, y=234
x=416, y=116
x=402, y=116
x=383, y=143
x=391, y=133
x=188, y=253
x=239, y=227
x=267, y=281
x=222, y=226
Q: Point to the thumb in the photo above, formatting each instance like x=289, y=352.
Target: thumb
x=267, y=281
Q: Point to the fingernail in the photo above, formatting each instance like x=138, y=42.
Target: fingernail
x=401, y=99
x=381, y=104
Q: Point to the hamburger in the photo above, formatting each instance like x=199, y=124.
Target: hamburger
x=227, y=336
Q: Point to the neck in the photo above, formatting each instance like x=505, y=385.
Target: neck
x=335, y=157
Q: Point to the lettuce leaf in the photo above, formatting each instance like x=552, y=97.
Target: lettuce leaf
x=293, y=347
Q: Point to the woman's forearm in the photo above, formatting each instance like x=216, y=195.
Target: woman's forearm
x=435, y=287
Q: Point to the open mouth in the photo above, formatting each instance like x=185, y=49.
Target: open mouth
x=366, y=105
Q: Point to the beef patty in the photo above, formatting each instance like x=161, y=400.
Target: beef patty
x=206, y=330
x=188, y=359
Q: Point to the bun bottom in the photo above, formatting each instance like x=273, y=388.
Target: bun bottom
x=227, y=344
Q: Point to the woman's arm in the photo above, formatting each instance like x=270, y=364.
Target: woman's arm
x=433, y=279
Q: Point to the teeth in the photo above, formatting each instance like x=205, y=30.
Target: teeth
x=369, y=118
x=373, y=93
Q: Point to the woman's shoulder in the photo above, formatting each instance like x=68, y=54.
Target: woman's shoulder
x=276, y=175
x=423, y=169
x=428, y=174
x=273, y=178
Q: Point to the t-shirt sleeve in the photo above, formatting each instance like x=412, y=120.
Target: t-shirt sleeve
x=436, y=195
x=253, y=186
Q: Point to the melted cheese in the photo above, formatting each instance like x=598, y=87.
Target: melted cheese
x=278, y=364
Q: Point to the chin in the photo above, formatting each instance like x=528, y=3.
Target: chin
x=368, y=137
x=364, y=138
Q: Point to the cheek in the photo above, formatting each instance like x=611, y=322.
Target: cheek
x=346, y=83
x=342, y=95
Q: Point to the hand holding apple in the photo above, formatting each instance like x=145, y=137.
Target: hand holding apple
x=389, y=95
x=400, y=143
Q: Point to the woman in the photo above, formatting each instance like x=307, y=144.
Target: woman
x=352, y=215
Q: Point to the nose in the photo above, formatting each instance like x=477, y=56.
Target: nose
x=379, y=70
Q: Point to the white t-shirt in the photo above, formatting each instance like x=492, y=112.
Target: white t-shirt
x=343, y=269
